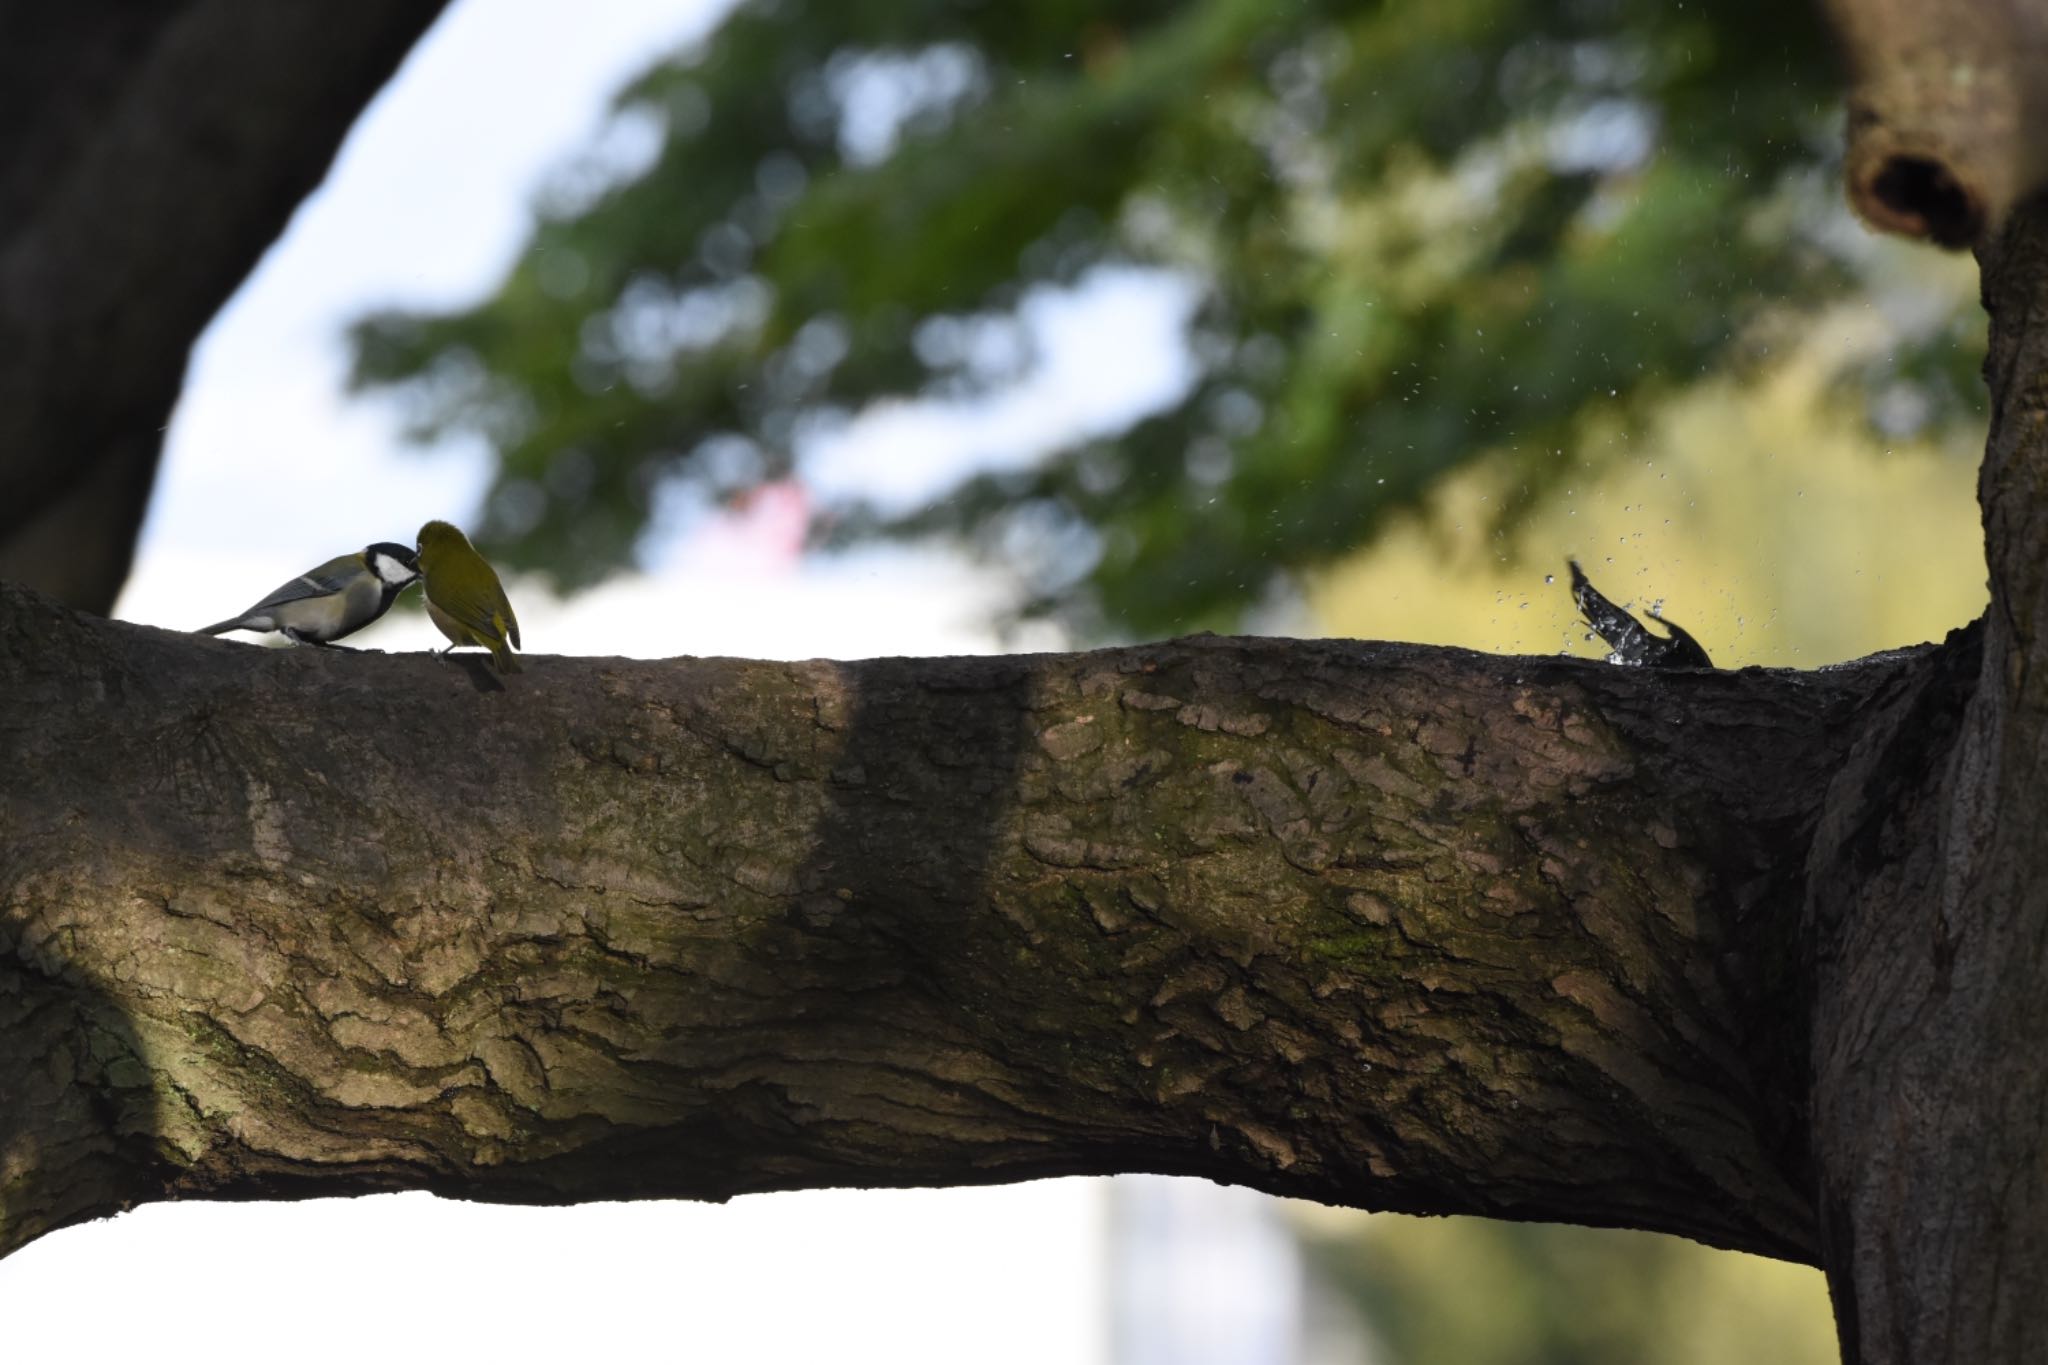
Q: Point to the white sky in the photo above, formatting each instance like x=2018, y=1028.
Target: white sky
x=1006, y=1274
x=269, y=470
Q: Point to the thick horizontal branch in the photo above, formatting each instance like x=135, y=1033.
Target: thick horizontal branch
x=1379, y=925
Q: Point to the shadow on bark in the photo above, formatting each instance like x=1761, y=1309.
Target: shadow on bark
x=77, y=1111
x=891, y=898
x=804, y=1079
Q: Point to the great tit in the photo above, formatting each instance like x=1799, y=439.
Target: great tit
x=464, y=597
x=338, y=598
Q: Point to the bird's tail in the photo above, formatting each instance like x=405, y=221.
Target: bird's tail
x=222, y=627
x=504, y=658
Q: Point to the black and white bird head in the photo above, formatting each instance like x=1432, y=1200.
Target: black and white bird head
x=394, y=565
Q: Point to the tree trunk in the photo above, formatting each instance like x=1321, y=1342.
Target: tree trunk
x=1930, y=911
x=1947, y=100
x=149, y=155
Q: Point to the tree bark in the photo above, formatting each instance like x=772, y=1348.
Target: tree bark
x=149, y=155
x=1379, y=925
x=1931, y=929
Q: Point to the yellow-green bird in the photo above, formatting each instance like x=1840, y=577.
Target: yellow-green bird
x=464, y=597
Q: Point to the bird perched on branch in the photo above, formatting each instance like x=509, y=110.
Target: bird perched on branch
x=338, y=598
x=1630, y=640
x=464, y=597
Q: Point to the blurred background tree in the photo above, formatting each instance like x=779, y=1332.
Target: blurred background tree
x=1418, y=239
x=1468, y=285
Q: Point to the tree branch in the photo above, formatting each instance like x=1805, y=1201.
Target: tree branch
x=149, y=154
x=1946, y=105
x=1381, y=925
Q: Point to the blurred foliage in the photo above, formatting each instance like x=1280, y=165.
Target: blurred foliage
x=1423, y=236
x=1468, y=1291
x=1759, y=514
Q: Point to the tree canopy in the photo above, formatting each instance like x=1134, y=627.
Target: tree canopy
x=1419, y=237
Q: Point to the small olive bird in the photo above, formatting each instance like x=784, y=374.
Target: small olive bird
x=338, y=598
x=464, y=597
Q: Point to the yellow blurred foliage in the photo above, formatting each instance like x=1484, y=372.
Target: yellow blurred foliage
x=1764, y=515
x=1739, y=1309
x=1603, y=1294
